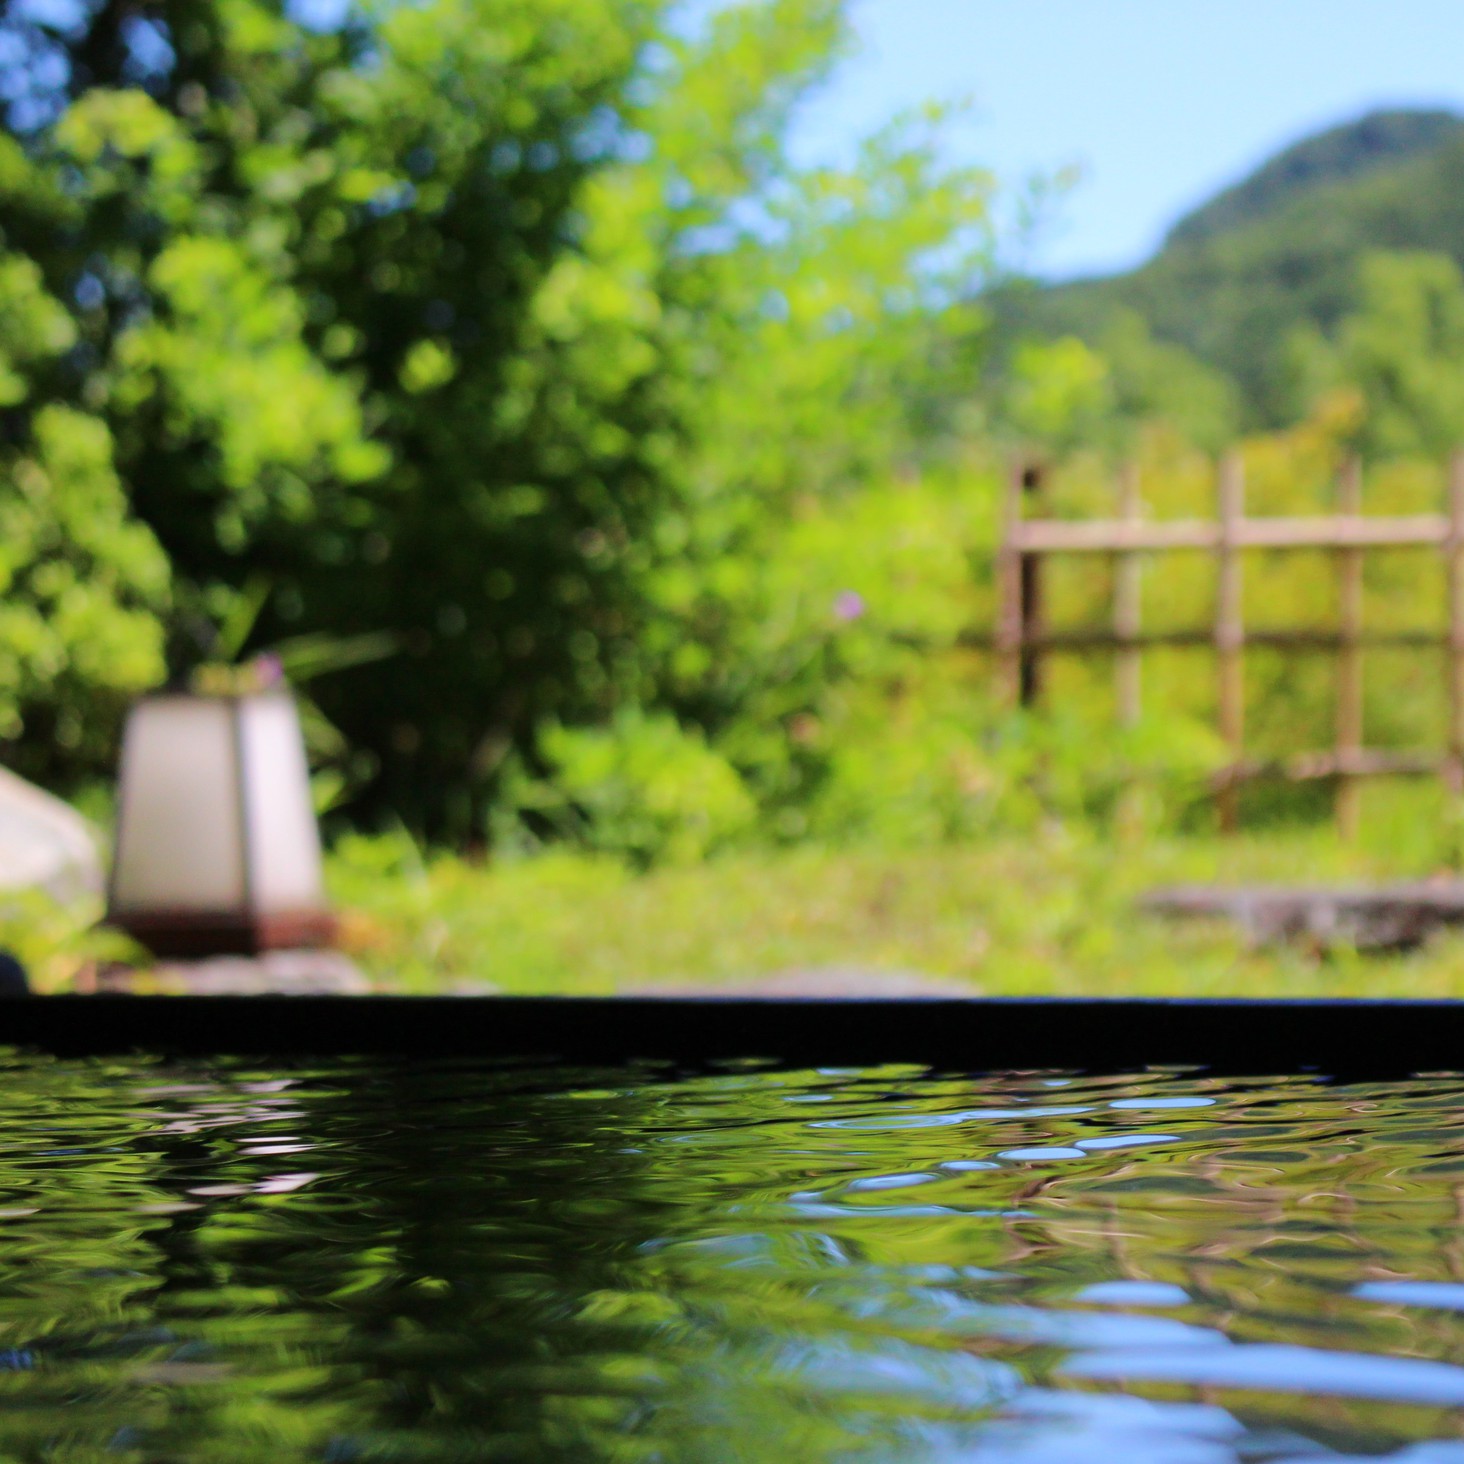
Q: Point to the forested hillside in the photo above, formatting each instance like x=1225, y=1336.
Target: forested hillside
x=1339, y=154
x=1278, y=253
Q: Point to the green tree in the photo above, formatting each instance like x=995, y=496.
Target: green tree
x=504, y=326
x=303, y=267
x=82, y=582
x=1402, y=350
x=831, y=350
x=807, y=329
x=1156, y=381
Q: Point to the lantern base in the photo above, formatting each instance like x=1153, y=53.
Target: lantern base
x=188, y=934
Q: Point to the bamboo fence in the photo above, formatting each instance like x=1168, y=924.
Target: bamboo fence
x=1022, y=637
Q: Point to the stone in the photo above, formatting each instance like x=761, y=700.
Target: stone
x=828, y=983
x=45, y=844
x=1367, y=917
x=275, y=973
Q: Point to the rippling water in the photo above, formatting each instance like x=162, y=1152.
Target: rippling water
x=350, y=1261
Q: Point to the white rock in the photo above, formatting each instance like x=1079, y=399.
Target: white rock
x=45, y=844
x=274, y=973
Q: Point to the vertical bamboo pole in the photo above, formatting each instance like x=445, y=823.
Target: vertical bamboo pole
x=1127, y=571
x=1127, y=669
x=1454, y=763
x=1230, y=635
x=1030, y=566
x=1349, y=655
x=1009, y=627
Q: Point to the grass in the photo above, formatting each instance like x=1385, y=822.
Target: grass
x=1053, y=914
x=60, y=945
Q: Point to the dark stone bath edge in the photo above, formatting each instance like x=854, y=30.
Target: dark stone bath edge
x=1351, y=1038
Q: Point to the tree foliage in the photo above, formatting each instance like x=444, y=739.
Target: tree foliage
x=1401, y=351
x=506, y=330
x=82, y=582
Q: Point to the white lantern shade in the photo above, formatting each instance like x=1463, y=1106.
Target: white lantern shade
x=217, y=844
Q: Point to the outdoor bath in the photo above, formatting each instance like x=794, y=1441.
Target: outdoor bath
x=342, y=1258
x=401, y=1236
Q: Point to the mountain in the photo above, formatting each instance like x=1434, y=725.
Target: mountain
x=1237, y=277
x=1334, y=156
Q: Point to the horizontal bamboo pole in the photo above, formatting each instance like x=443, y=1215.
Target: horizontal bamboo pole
x=1337, y=531
x=1360, y=762
x=1102, y=637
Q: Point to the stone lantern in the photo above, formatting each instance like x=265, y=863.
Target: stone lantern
x=218, y=850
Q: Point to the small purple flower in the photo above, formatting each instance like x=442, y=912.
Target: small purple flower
x=268, y=671
x=848, y=605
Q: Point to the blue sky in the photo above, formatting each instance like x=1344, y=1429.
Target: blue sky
x=1160, y=102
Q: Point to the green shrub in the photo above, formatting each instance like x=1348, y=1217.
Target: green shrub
x=60, y=943
x=643, y=788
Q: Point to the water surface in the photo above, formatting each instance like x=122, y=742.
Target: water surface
x=348, y=1261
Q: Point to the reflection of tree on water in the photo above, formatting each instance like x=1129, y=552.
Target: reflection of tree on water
x=464, y=1238
x=417, y=1259
x=417, y=1268
x=140, y=1329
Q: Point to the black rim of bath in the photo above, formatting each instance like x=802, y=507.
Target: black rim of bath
x=1342, y=1038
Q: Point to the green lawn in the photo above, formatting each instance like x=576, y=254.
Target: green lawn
x=1053, y=914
